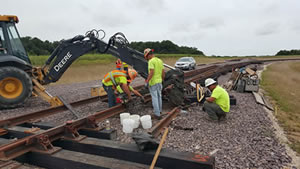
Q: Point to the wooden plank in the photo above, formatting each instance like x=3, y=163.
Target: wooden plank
x=250, y=71
x=258, y=98
x=267, y=103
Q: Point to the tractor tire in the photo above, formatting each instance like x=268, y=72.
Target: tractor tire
x=15, y=87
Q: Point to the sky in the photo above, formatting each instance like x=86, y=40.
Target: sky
x=216, y=27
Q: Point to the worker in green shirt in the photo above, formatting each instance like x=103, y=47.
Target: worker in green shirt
x=218, y=104
x=154, y=80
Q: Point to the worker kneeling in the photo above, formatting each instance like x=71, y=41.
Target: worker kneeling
x=218, y=104
x=117, y=78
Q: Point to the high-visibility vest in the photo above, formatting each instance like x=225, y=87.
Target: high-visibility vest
x=110, y=76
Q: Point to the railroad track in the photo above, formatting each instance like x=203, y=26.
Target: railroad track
x=48, y=140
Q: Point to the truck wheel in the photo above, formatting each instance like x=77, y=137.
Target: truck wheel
x=15, y=87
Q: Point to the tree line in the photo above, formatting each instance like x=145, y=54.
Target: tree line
x=165, y=47
x=288, y=52
x=35, y=46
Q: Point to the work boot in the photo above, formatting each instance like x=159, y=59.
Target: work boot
x=211, y=119
x=222, y=118
x=156, y=117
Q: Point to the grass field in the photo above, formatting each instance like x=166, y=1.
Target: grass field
x=282, y=83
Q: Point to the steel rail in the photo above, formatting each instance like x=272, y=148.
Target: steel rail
x=158, y=128
x=17, y=120
x=42, y=141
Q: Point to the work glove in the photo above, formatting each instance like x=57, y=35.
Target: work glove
x=143, y=99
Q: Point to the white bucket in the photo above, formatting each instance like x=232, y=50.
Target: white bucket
x=136, y=119
x=146, y=121
x=128, y=125
x=124, y=116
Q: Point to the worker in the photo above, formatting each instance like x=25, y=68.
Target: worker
x=113, y=79
x=119, y=64
x=217, y=105
x=154, y=80
x=125, y=66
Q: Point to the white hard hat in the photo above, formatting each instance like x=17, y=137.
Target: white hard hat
x=209, y=82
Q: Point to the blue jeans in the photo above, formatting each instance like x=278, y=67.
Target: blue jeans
x=111, y=95
x=155, y=92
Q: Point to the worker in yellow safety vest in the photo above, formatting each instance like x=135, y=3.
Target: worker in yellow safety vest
x=115, y=78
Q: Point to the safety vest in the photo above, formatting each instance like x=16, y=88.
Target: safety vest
x=110, y=76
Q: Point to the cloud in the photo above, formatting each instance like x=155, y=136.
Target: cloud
x=211, y=23
x=296, y=27
x=148, y=6
x=268, y=29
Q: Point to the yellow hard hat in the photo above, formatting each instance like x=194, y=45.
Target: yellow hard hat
x=132, y=74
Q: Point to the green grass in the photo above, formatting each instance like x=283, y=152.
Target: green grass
x=281, y=82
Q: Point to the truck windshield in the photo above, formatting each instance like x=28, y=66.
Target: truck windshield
x=16, y=44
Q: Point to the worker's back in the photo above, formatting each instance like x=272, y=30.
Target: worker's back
x=157, y=65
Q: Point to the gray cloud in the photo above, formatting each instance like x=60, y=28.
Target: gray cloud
x=214, y=26
x=211, y=23
x=268, y=29
x=148, y=6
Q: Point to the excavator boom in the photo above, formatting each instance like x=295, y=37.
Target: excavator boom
x=69, y=50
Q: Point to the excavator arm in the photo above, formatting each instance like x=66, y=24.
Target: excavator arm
x=71, y=49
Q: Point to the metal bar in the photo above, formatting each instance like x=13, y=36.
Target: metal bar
x=129, y=152
x=197, y=71
x=69, y=107
x=69, y=130
x=156, y=130
x=50, y=111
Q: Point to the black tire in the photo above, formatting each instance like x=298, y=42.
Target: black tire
x=26, y=82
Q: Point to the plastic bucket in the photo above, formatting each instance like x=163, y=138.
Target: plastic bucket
x=136, y=119
x=128, y=125
x=124, y=116
x=146, y=121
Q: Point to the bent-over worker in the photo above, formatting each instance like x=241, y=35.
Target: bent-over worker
x=113, y=79
x=218, y=104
